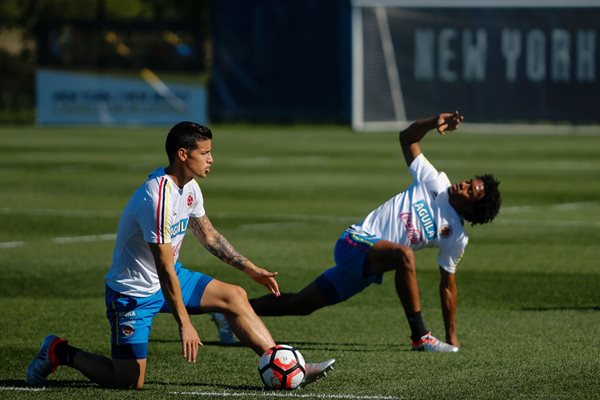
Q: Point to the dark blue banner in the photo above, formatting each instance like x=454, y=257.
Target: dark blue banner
x=499, y=64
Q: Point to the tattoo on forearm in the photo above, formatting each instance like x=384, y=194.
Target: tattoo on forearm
x=226, y=252
x=196, y=227
x=216, y=243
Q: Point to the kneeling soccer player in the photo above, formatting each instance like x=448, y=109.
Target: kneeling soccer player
x=145, y=277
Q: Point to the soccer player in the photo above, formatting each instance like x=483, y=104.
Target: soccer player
x=429, y=213
x=146, y=278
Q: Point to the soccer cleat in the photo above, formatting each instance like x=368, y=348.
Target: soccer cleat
x=429, y=343
x=44, y=363
x=316, y=371
x=225, y=333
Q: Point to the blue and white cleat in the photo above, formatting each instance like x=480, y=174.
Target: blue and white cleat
x=226, y=335
x=316, y=371
x=44, y=363
x=429, y=343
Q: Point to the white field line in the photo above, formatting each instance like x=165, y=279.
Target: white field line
x=86, y=238
x=58, y=213
x=242, y=394
x=280, y=395
x=63, y=240
x=12, y=245
x=283, y=217
x=291, y=219
x=100, y=213
x=558, y=206
x=534, y=222
x=22, y=389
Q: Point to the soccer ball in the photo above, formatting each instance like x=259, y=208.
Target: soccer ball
x=282, y=367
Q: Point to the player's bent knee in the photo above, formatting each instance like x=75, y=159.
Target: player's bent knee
x=409, y=258
x=238, y=295
x=405, y=257
x=236, y=299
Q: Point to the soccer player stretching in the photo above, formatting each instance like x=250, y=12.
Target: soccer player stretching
x=145, y=277
x=429, y=213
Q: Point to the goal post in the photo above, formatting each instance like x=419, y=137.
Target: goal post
x=377, y=101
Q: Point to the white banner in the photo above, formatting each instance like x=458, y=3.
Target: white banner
x=65, y=97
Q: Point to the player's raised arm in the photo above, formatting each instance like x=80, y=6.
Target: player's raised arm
x=411, y=136
x=449, y=300
x=220, y=247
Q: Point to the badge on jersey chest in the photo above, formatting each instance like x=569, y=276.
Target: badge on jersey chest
x=445, y=231
x=190, y=200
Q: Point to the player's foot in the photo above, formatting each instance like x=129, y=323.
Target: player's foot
x=225, y=333
x=429, y=343
x=44, y=363
x=316, y=371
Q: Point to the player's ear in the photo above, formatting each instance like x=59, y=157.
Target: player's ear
x=182, y=154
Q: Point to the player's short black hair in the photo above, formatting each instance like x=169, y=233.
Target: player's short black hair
x=486, y=208
x=185, y=135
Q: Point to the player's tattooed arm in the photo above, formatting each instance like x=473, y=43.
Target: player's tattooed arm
x=216, y=243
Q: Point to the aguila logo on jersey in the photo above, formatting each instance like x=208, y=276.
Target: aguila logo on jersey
x=424, y=214
x=179, y=227
x=190, y=200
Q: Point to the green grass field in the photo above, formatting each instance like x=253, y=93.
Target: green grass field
x=529, y=284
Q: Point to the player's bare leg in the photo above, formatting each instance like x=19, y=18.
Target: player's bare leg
x=304, y=302
x=385, y=256
x=232, y=301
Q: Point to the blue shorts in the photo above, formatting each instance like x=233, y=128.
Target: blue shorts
x=131, y=317
x=346, y=278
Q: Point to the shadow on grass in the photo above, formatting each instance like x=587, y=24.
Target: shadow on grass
x=204, y=342
x=343, y=347
x=176, y=386
x=350, y=347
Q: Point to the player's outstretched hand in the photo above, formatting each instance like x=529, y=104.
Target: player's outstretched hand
x=448, y=122
x=190, y=342
x=265, y=278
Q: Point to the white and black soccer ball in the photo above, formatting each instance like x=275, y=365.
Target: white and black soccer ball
x=282, y=367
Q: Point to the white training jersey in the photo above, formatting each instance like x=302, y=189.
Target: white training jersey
x=421, y=216
x=158, y=212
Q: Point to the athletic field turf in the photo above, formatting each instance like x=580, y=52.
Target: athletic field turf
x=529, y=284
